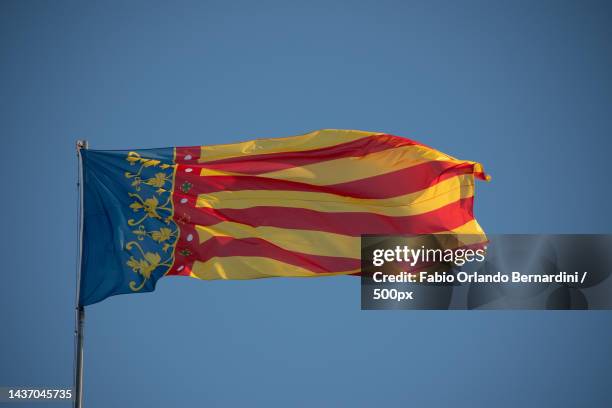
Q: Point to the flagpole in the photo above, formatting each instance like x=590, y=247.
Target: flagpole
x=79, y=310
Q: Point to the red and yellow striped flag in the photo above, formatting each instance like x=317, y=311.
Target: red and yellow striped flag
x=293, y=206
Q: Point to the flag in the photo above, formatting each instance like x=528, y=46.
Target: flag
x=277, y=207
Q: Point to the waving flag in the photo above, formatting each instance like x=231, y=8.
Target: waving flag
x=292, y=207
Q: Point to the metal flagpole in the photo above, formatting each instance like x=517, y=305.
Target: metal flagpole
x=79, y=310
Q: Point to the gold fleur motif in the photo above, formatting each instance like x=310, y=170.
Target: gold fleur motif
x=159, y=180
x=162, y=235
x=152, y=202
x=150, y=207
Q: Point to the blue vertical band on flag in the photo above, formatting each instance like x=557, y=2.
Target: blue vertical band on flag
x=116, y=256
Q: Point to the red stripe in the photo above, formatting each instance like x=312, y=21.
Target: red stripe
x=353, y=224
x=481, y=175
x=393, y=184
x=228, y=246
x=263, y=163
x=444, y=218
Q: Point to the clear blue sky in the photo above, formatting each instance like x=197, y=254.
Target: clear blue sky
x=522, y=86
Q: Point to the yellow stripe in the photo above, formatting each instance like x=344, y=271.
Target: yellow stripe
x=355, y=168
x=441, y=194
x=296, y=240
x=318, y=242
x=469, y=233
x=352, y=168
x=470, y=228
x=251, y=267
x=310, y=141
